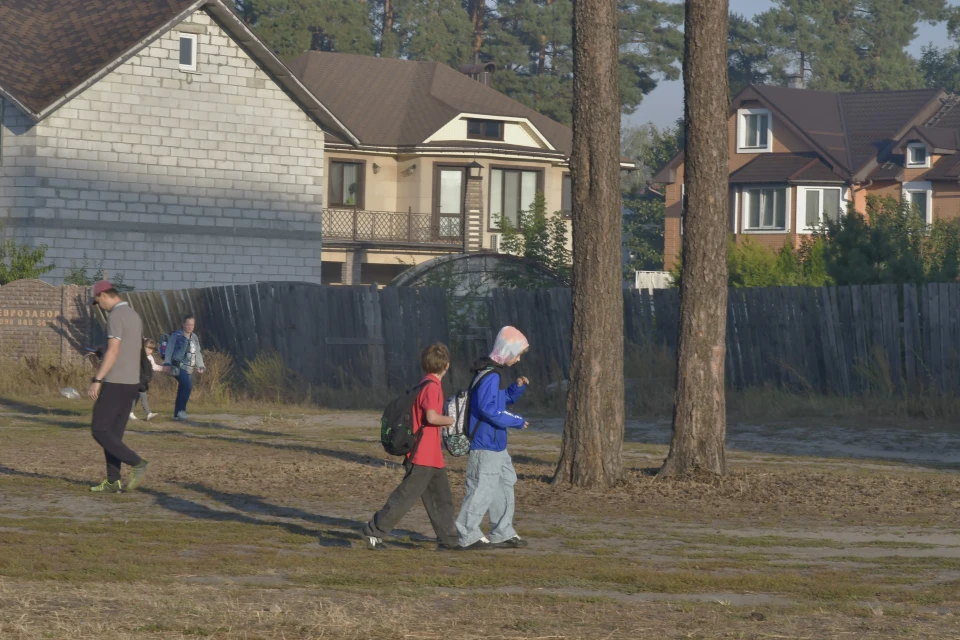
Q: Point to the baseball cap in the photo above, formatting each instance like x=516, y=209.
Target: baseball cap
x=99, y=288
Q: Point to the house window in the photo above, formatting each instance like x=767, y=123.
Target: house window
x=920, y=196
x=512, y=191
x=484, y=130
x=566, y=196
x=766, y=209
x=188, y=52
x=754, y=131
x=817, y=205
x=346, y=184
x=449, y=194
x=917, y=156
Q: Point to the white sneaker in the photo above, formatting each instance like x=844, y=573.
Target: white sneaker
x=132, y=417
x=375, y=543
x=181, y=416
x=151, y=416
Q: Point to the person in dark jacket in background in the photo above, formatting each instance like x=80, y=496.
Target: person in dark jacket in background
x=490, y=476
x=147, y=367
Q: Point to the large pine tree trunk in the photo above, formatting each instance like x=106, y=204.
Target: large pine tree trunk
x=593, y=434
x=386, y=34
x=699, y=415
x=477, y=17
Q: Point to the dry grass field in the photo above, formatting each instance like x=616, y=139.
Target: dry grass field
x=246, y=528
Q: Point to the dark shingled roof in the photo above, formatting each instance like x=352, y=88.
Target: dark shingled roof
x=396, y=103
x=49, y=47
x=873, y=119
x=940, y=137
x=784, y=167
x=816, y=113
x=946, y=168
x=892, y=169
x=851, y=127
x=848, y=130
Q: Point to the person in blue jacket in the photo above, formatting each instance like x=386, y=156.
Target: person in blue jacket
x=490, y=477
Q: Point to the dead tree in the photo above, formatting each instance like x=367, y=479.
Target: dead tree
x=699, y=415
x=593, y=435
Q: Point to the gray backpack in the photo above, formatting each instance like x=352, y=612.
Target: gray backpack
x=457, y=438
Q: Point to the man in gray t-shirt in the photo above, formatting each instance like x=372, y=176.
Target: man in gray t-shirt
x=124, y=324
x=115, y=387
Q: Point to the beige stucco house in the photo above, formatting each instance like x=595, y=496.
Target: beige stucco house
x=440, y=159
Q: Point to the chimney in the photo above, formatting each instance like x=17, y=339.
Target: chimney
x=482, y=73
x=795, y=81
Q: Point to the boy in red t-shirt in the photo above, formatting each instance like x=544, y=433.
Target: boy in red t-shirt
x=426, y=476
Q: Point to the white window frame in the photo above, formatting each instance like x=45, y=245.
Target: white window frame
x=742, y=131
x=745, y=216
x=909, y=164
x=918, y=187
x=801, y=224
x=192, y=37
x=736, y=210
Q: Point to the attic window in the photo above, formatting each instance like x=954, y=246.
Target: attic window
x=484, y=130
x=188, y=52
x=754, y=131
x=917, y=156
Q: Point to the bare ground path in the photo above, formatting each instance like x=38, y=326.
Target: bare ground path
x=247, y=525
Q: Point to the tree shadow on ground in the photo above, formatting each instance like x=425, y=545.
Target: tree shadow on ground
x=224, y=427
x=62, y=424
x=344, y=456
x=257, y=505
x=520, y=458
x=25, y=407
x=7, y=471
x=202, y=512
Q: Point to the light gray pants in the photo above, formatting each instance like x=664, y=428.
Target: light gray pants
x=143, y=401
x=488, y=487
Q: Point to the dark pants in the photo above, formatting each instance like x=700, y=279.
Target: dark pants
x=110, y=414
x=184, y=388
x=420, y=483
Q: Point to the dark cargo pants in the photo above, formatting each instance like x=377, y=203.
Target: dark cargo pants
x=428, y=484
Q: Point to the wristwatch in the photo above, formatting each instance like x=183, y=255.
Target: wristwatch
x=95, y=381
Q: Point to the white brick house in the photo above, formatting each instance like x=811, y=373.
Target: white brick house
x=185, y=155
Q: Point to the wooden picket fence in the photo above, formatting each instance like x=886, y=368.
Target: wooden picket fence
x=839, y=340
x=338, y=337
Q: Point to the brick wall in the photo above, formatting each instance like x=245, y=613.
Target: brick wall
x=172, y=178
x=39, y=320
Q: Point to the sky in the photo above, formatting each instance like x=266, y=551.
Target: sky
x=664, y=105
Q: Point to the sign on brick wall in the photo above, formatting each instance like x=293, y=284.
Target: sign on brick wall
x=39, y=321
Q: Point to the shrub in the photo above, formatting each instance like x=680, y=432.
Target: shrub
x=267, y=378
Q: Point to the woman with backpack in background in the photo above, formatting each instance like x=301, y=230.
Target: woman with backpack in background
x=182, y=358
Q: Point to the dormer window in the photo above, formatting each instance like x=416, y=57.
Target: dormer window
x=754, y=131
x=917, y=156
x=484, y=129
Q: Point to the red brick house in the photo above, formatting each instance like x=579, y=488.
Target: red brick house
x=798, y=155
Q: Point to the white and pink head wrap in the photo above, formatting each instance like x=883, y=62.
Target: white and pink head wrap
x=509, y=344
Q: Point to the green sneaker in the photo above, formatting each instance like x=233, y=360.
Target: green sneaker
x=108, y=487
x=137, y=476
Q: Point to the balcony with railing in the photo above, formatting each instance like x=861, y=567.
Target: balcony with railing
x=392, y=229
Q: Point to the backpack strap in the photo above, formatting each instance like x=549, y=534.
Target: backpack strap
x=473, y=385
